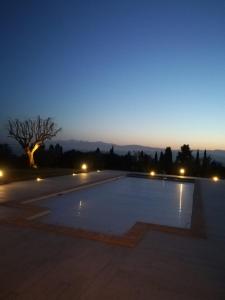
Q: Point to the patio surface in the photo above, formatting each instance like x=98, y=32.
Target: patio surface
x=37, y=264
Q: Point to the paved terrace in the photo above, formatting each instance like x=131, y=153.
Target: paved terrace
x=37, y=264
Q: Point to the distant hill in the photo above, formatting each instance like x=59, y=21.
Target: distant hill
x=218, y=155
x=104, y=147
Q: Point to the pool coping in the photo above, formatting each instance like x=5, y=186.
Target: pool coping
x=131, y=238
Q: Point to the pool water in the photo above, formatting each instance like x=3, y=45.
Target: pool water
x=114, y=207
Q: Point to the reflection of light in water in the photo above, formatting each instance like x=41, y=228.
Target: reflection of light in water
x=80, y=207
x=180, y=198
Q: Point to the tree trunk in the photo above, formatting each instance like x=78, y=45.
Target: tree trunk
x=30, y=154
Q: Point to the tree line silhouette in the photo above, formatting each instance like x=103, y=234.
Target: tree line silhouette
x=163, y=162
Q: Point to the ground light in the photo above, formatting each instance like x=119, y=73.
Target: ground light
x=152, y=173
x=1, y=173
x=38, y=179
x=74, y=174
x=215, y=178
x=84, y=167
x=182, y=171
x=98, y=171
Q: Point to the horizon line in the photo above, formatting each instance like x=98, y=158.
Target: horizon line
x=55, y=140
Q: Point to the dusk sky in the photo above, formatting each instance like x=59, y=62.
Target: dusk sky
x=125, y=72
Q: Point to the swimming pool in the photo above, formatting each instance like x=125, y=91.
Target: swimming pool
x=114, y=207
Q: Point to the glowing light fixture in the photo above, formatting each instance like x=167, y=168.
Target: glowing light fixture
x=84, y=167
x=39, y=179
x=215, y=178
x=1, y=173
x=182, y=171
x=152, y=173
x=98, y=171
x=74, y=174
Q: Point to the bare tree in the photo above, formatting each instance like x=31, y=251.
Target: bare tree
x=31, y=134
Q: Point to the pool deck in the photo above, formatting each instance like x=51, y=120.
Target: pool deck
x=37, y=264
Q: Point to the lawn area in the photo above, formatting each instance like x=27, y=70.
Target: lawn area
x=10, y=175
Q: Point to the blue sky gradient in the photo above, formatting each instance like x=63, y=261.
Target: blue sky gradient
x=127, y=72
